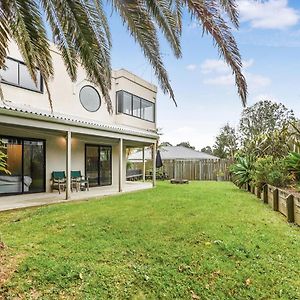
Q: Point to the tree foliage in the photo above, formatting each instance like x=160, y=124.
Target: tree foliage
x=207, y=150
x=186, y=145
x=81, y=31
x=226, y=144
x=165, y=144
x=264, y=129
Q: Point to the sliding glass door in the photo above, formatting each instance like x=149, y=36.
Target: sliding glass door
x=98, y=165
x=25, y=159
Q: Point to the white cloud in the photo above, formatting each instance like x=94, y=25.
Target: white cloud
x=191, y=67
x=220, y=80
x=271, y=14
x=220, y=74
x=256, y=81
x=219, y=66
x=213, y=65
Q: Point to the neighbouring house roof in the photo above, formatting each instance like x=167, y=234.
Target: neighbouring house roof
x=30, y=112
x=173, y=152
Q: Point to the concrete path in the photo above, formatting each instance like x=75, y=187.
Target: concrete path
x=30, y=200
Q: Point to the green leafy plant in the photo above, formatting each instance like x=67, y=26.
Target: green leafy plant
x=271, y=170
x=242, y=170
x=3, y=156
x=262, y=169
x=293, y=163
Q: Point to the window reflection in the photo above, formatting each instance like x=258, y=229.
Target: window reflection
x=135, y=106
x=16, y=73
x=26, y=165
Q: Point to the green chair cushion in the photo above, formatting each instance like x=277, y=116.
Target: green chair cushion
x=58, y=175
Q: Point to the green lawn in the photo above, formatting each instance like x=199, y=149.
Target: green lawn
x=205, y=240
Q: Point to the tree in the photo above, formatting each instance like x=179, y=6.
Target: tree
x=264, y=129
x=81, y=32
x=186, y=145
x=165, y=144
x=207, y=150
x=226, y=144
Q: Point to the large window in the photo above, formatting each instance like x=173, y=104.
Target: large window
x=98, y=165
x=16, y=73
x=135, y=106
x=25, y=160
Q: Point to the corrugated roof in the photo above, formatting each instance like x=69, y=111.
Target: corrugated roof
x=173, y=152
x=28, y=111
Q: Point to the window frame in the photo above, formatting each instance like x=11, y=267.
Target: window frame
x=141, y=99
x=99, y=146
x=100, y=100
x=41, y=89
x=22, y=140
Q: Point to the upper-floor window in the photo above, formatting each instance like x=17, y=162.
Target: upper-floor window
x=135, y=106
x=16, y=74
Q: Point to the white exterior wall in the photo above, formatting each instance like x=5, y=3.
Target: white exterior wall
x=56, y=152
x=65, y=96
x=65, y=93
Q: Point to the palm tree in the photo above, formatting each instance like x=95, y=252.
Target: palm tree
x=3, y=164
x=81, y=32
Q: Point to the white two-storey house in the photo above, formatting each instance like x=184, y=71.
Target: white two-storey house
x=78, y=135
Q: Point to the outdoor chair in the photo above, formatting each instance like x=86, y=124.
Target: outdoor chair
x=58, y=181
x=81, y=182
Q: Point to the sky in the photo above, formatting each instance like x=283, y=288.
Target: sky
x=269, y=42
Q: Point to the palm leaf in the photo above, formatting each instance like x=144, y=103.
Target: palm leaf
x=208, y=13
x=141, y=27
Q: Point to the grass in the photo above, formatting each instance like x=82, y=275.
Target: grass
x=205, y=240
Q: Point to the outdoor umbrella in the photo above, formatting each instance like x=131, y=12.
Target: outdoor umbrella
x=159, y=162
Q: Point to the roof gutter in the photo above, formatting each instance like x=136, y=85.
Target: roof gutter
x=40, y=117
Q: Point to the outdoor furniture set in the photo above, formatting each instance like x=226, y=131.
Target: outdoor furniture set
x=78, y=181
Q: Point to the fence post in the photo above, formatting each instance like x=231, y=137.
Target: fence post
x=265, y=193
x=258, y=192
x=275, y=200
x=290, y=208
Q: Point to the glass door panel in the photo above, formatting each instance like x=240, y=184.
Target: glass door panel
x=92, y=164
x=12, y=182
x=34, y=166
x=105, y=165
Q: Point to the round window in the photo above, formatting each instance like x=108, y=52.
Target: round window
x=89, y=98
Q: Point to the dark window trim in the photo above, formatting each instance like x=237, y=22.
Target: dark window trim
x=100, y=101
x=140, y=118
x=22, y=139
x=99, y=149
x=41, y=91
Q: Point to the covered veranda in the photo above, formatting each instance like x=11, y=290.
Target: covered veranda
x=72, y=136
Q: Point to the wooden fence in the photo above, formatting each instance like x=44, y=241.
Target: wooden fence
x=206, y=169
x=284, y=201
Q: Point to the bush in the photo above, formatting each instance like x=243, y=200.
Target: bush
x=262, y=169
x=242, y=170
x=293, y=163
x=271, y=171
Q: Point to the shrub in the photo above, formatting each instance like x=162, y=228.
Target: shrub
x=271, y=171
x=262, y=169
x=242, y=170
x=293, y=163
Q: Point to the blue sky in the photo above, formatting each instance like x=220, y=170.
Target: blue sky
x=269, y=41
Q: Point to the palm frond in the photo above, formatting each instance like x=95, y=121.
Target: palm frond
x=230, y=7
x=80, y=23
x=167, y=21
x=141, y=27
x=61, y=37
x=212, y=22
